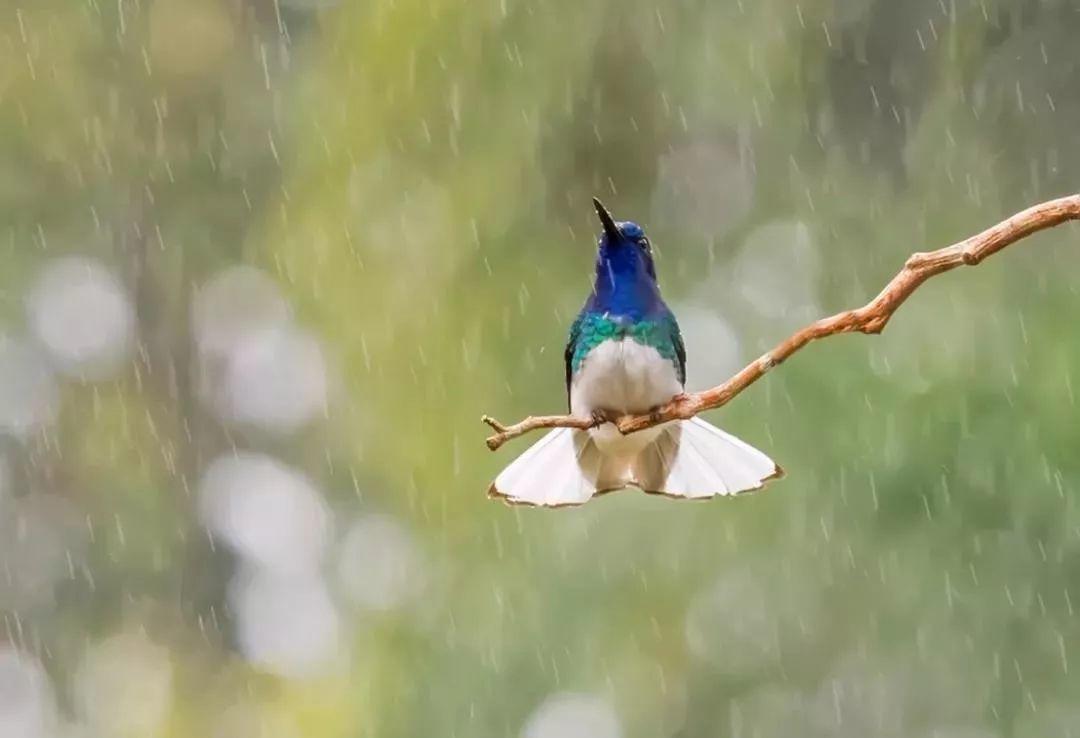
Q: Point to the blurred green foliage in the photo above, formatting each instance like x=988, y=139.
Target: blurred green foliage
x=415, y=174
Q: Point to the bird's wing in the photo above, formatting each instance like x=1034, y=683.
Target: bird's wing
x=680, y=348
x=568, y=354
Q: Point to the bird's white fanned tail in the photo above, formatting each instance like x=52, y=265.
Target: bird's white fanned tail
x=562, y=468
x=695, y=460
x=690, y=459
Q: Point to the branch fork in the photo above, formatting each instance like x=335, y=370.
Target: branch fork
x=870, y=319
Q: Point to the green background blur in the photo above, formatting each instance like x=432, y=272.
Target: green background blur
x=205, y=536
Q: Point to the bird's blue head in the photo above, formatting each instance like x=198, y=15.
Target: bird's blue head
x=625, y=272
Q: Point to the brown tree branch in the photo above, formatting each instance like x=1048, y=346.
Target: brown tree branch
x=870, y=318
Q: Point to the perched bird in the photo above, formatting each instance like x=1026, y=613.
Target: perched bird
x=626, y=355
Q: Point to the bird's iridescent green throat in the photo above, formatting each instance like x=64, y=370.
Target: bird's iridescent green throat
x=592, y=329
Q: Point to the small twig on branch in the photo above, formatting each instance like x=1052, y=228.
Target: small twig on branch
x=870, y=318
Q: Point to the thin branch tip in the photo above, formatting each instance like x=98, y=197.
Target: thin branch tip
x=495, y=425
x=869, y=319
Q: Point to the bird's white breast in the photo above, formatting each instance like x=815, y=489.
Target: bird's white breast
x=627, y=377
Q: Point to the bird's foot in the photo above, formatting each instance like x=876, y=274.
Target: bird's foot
x=599, y=417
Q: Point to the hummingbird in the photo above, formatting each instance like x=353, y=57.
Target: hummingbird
x=625, y=355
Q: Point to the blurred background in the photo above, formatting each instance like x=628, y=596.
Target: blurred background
x=266, y=262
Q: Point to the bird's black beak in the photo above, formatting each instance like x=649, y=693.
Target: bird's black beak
x=610, y=228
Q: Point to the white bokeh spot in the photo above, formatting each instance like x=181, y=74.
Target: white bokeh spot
x=80, y=312
x=712, y=346
x=27, y=705
x=269, y=513
x=776, y=272
x=573, y=715
x=287, y=625
x=379, y=565
x=275, y=379
x=256, y=367
x=29, y=396
x=234, y=302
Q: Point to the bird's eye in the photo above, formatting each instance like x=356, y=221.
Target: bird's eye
x=643, y=242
